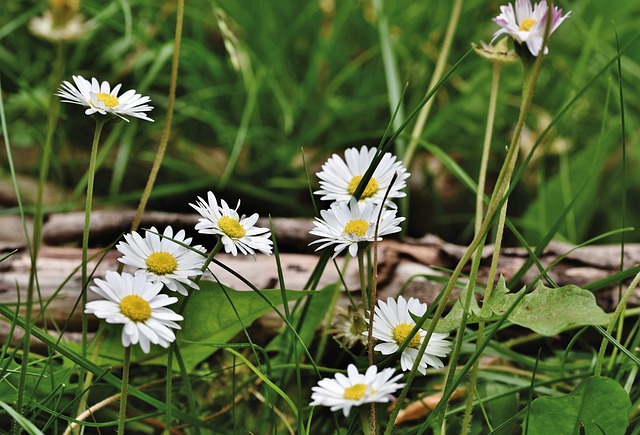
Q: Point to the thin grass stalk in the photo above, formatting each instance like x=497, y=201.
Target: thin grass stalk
x=614, y=319
x=623, y=199
x=390, y=71
x=164, y=139
x=455, y=354
x=473, y=376
x=52, y=119
x=16, y=428
x=435, y=78
x=122, y=414
x=497, y=199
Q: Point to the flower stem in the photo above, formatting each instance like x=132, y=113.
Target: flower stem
x=87, y=221
x=486, y=146
x=491, y=113
x=122, y=415
x=363, y=282
x=164, y=139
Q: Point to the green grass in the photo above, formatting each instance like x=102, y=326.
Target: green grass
x=260, y=83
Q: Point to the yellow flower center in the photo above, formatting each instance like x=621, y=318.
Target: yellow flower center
x=231, y=227
x=357, y=226
x=527, y=24
x=135, y=307
x=355, y=392
x=161, y=263
x=108, y=100
x=401, y=332
x=370, y=190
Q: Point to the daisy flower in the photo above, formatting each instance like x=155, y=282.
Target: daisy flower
x=526, y=24
x=104, y=100
x=347, y=224
x=344, y=392
x=136, y=303
x=162, y=259
x=237, y=232
x=339, y=179
x=392, y=324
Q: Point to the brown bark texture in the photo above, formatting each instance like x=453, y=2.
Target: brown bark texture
x=415, y=266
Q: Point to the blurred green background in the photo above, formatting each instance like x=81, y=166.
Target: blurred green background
x=261, y=80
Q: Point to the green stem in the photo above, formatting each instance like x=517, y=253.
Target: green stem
x=486, y=146
x=164, y=139
x=435, y=78
x=207, y=262
x=473, y=376
x=363, y=282
x=87, y=220
x=502, y=185
x=122, y=415
x=612, y=323
x=169, y=391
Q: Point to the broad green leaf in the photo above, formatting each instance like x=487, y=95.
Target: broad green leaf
x=599, y=404
x=42, y=378
x=452, y=320
x=214, y=314
x=549, y=311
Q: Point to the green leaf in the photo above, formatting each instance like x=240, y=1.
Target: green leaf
x=452, y=320
x=549, y=311
x=35, y=386
x=599, y=404
x=214, y=314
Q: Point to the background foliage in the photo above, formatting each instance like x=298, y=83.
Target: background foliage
x=259, y=81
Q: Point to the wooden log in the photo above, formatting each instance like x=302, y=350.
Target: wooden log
x=417, y=262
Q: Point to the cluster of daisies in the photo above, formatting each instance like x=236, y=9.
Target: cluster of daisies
x=169, y=262
x=351, y=224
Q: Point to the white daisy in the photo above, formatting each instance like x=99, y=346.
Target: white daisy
x=70, y=28
x=339, y=179
x=163, y=260
x=136, y=303
x=343, y=392
x=526, y=24
x=392, y=324
x=104, y=100
x=237, y=232
x=348, y=224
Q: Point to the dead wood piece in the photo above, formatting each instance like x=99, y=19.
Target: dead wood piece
x=106, y=226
